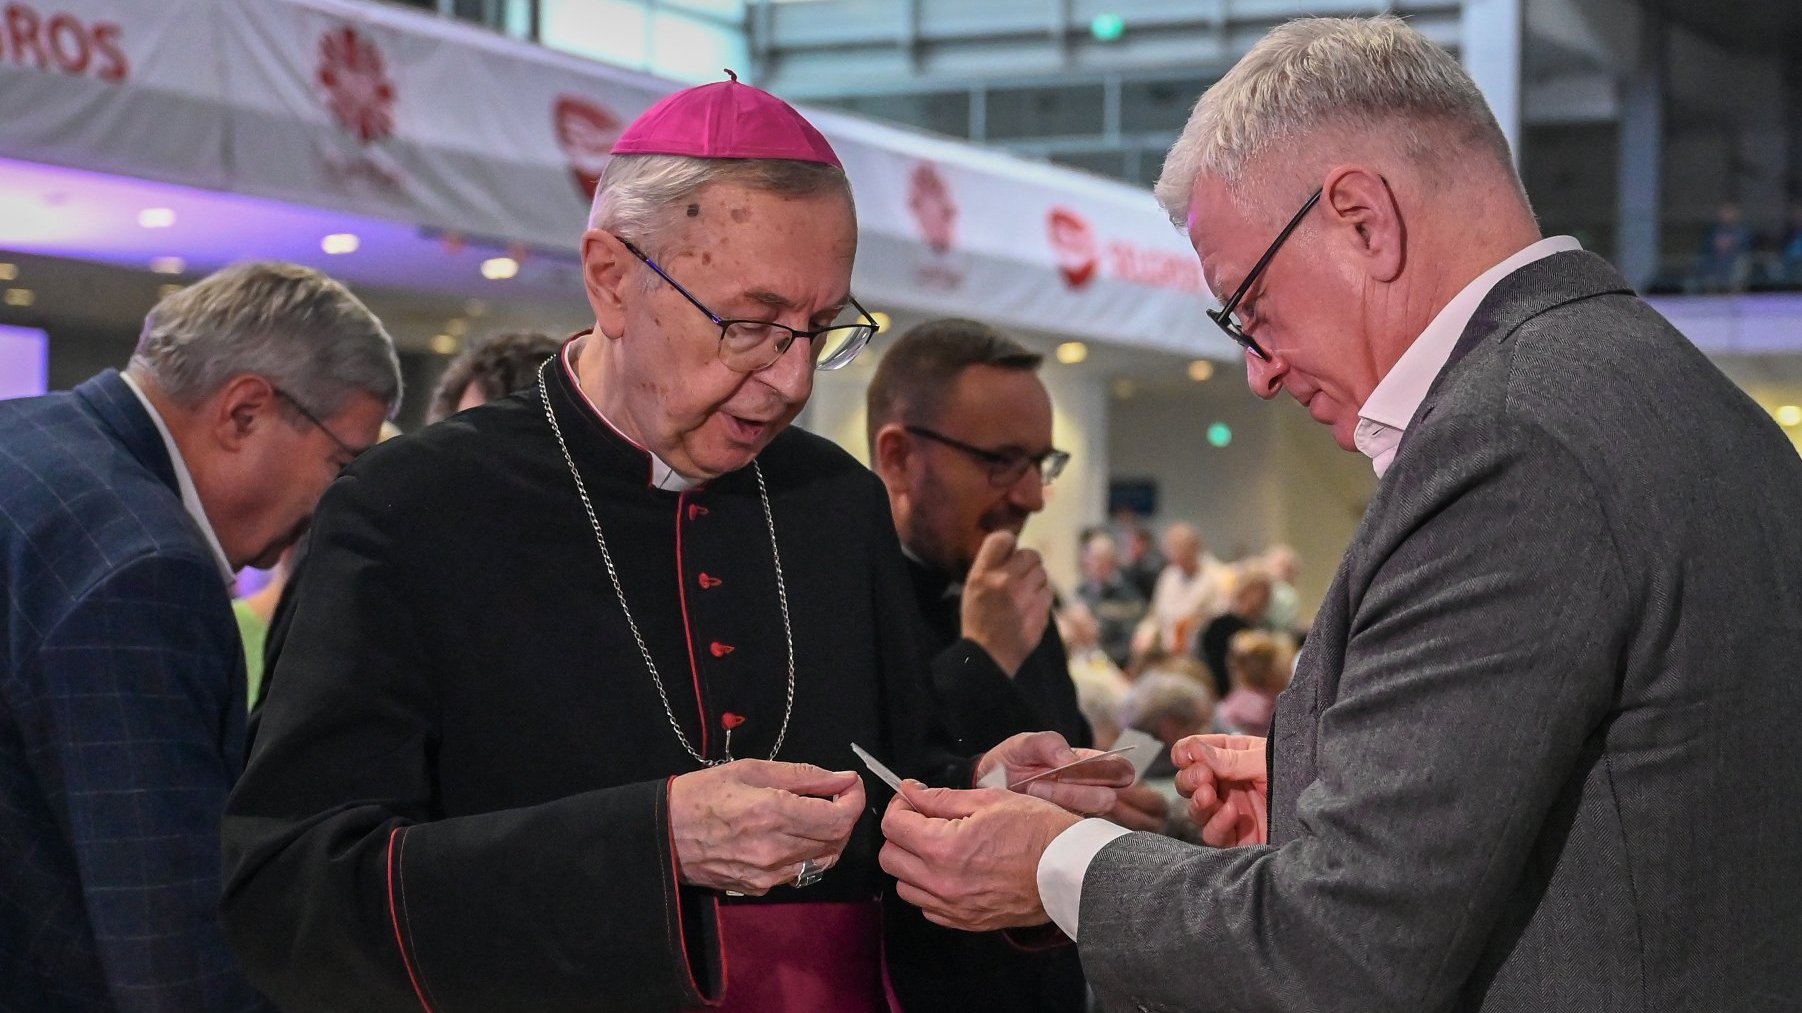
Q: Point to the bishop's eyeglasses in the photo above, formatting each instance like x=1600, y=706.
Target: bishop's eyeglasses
x=1224, y=316
x=1005, y=467
x=750, y=345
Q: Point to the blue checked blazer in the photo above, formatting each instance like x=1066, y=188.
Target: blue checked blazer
x=121, y=717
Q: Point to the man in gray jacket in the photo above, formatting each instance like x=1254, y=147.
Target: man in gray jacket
x=1538, y=751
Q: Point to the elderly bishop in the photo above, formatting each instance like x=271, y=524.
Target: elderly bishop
x=569, y=677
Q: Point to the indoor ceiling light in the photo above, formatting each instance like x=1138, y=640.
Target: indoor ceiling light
x=20, y=297
x=340, y=243
x=1789, y=415
x=156, y=218
x=168, y=265
x=444, y=344
x=1201, y=370
x=499, y=268
x=9, y=272
x=1072, y=352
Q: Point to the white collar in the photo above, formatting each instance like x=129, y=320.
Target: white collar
x=190, y=497
x=662, y=475
x=1385, y=414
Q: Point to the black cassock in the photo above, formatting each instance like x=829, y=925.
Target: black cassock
x=458, y=794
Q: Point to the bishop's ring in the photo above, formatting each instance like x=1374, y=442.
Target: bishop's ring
x=810, y=873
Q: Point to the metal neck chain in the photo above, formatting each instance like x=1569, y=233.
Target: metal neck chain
x=769, y=518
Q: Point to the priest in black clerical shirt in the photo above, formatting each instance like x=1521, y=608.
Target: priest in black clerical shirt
x=959, y=426
x=567, y=679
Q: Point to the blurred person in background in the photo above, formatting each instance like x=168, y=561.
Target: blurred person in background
x=1140, y=559
x=1170, y=702
x=1284, y=568
x=1248, y=609
x=1726, y=256
x=131, y=502
x=1190, y=592
x=959, y=428
x=490, y=369
x=1113, y=601
x=1081, y=634
x=1789, y=250
x=1539, y=752
x=1258, y=665
x=561, y=717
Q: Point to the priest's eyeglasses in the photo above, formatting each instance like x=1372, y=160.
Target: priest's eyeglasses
x=750, y=345
x=1224, y=315
x=350, y=453
x=1005, y=467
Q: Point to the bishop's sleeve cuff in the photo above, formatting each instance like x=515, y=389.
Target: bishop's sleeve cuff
x=1064, y=865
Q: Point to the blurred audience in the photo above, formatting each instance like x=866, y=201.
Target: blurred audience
x=1249, y=609
x=1191, y=591
x=1259, y=665
x=1284, y=568
x=1140, y=560
x=1725, y=261
x=1116, y=605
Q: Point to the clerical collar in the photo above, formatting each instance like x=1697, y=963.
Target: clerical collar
x=953, y=588
x=184, y=480
x=662, y=475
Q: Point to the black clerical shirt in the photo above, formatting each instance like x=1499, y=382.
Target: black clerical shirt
x=458, y=794
x=939, y=970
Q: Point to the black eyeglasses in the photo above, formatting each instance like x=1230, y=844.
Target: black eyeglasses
x=1224, y=315
x=1004, y=467
x=750, y=345
x=350, y=453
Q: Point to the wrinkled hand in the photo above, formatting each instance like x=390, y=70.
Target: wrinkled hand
x=970, y=859
x=1007, y=601
x=1226, y=781
x=1090, y=789
x=1140, y=808
x=747, y=826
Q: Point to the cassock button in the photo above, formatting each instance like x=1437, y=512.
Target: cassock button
x=721, y=650
x=708, y=583
x=696, y=510
x=729, y=720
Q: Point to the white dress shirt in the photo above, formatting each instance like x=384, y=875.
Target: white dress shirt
x=1381, y=423
x=1386, y=412
x=190, y=497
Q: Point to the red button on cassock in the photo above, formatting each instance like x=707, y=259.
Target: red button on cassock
x=721, y=650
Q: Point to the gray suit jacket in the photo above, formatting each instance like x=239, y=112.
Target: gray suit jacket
x=1540, y=751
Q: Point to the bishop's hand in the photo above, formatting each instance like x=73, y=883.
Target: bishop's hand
x=746, y=826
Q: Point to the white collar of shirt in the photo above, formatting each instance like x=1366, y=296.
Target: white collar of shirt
x=1386, y=412
x=190, y=497
x=662, y=475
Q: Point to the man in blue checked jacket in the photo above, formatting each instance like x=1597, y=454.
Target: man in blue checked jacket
x=126, y=505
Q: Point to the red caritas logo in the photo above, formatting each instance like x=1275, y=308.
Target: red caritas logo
x=934, y=210
x=357, y=89
x=63, y=42
x=586, y=132
x=1073, y=244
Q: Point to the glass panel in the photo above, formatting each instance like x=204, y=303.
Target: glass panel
x=609, y=30
x=696, y=49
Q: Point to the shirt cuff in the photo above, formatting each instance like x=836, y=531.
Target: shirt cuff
x=1065, y=863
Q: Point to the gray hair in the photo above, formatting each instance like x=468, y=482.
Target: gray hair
x=1351, y=74
x=637, y=192
x=292, y=325
x=1158, y=694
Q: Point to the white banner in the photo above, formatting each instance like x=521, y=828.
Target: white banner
x=387, y=113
